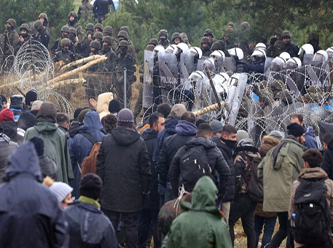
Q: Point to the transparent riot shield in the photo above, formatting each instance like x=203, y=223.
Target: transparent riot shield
x=307, y=59
x=186, y=64
x=229, y=65
x=148, y=86
x=167, y=63
x=268, y=62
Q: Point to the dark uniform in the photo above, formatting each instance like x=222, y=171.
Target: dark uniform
x=110, y=63
x=75, y=24
x=163, y=41
x=43, y=35
x=64, y=54
x=86, y=8
x=108, y=31
x=12, y=36
x=124, y=60
x=25, y=35
x=123, y=35
x=84, y=46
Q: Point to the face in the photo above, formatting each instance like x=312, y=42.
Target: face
x=231, y=136
x=230, y=28
x=71, y=18
x=92, y=49
x=23, y=31
x=160, y=124
x=162, y=37
x=8, y=25
x=41, y=19
x=177, y=41
x=105, y=43
x=120, y=38
x=204, y=45
x=286, y=40
x=210, y=37
x=4, y=105
x=68, y=200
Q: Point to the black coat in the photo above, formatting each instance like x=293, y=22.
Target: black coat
x=291, y=48
x=6, y=148
x=227, y=154
x=150, y=137
x=217, y=163
x=327, y=164
x=124, y=167
x=185, y=130
x=89, y=227
x=30, y=215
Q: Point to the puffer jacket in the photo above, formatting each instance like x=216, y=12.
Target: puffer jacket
x=103, y=104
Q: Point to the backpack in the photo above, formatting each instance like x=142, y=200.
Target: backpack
x=89, y=162
x=255, y=186
x=312, y=219
x=194, y=164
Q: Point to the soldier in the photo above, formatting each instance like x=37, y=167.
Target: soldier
x=205, y=46
x=289, y=47
x=98, y=27
x=24, y=36
x=153, y=42
x=125, y=28
x=86, y=8
x=43, y=35
x=99, y=37
x=12, y=36
x=64, y=56
x=176, y=39
x=124, y=60
x=64, y=34
x=209, y=33
x=108, y=31
x=101, y=8
x=93, y=82
x=72, y=37
x=184, y=37
x=111, y=55
x=43, y=18
x=73, y=22
x=163, y=38
x=123, y=35
x=84, y=45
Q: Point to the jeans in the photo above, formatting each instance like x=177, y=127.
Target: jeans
x=130, y=224
x=269, y=223
x=226, y=211
x=284, y=231
x=243, y=207
x=147, y=219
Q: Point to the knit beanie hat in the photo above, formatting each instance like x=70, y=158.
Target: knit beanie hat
x=61, y=190
x=216, y=126
x=114, y=106
x=125, y=115
x=3, y=98
x=77, y=112
x=91, y=186
x=31, y=96
x=277, y=134
x=82, y=114
x=295, y=129
x=241, y=134
x=6, y=115
x=39, y=145
x=47, y=113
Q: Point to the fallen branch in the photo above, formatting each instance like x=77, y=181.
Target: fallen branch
x=80, y=62
x=209, y=108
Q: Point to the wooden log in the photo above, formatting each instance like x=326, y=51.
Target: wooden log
x=209, y=108
x=80, y=62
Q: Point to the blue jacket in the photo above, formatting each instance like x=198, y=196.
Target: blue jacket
x=80, y=146
x=30, y=217
x=310, y=140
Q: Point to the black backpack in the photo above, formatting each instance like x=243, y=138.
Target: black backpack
x=193, y=165
x=312, y=219
x=255, y=186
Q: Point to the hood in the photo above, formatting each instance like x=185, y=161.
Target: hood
x=9, y=128
x=185, y=128
x=149, y=134
x=24, y=160
x=204, y=196
x=170, y=125
x=73, y=128
x=268, y=142
x=46, y=127
x=197, y=141
x=47, y=113
x=125, y=136
x=91, y=121
x=316, y=172
x=103, y=102
x=310, y=131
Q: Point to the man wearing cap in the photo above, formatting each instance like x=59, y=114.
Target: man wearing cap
x=12, y=35
x=124, y=167
x=88, y=226
x=289, y=47
x=278, y=170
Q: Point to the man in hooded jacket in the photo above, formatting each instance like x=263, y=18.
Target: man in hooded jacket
x=31, y=217
x=55, y=141
x=80, y=145
x=124, y=167
x=201, y=223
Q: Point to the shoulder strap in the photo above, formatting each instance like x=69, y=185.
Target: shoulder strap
x=89, y=137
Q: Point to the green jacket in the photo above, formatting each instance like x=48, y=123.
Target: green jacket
x=278, y=170
x=200, y=224
x=55, y=147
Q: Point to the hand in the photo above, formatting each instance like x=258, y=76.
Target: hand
x=93, y=103
x=21, y=39
x=89, y=36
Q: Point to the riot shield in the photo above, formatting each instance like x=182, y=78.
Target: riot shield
x=268, y=62
x=236, y=99
x=168, y=73
x=148, y=86
x=307, y=59
x=186, y=64
x=229, y=65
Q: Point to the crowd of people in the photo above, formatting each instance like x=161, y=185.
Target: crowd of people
x=141, y=178
x=178, y=181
